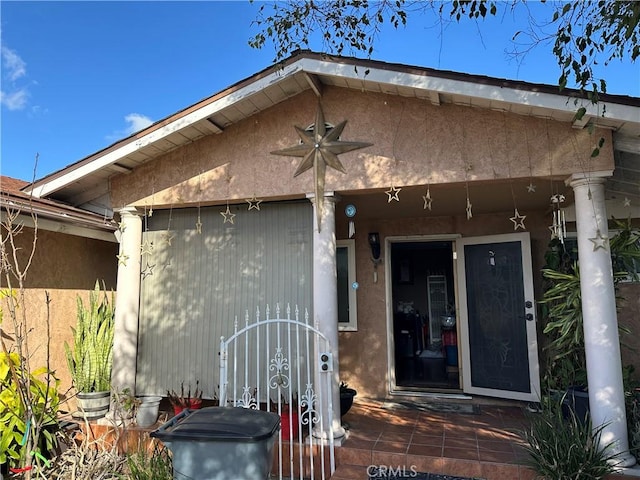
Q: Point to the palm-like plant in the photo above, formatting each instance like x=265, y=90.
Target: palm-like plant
x=562, y=304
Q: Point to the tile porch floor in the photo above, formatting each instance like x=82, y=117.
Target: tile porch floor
x=487, y=445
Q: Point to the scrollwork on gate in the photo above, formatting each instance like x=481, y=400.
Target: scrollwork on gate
x=280, y=364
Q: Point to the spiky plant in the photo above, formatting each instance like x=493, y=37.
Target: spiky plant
x=91, y=359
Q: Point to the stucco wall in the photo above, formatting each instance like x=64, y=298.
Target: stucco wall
x=63, y=267
x=414, y=143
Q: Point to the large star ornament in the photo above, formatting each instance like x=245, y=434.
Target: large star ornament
x=319, y=149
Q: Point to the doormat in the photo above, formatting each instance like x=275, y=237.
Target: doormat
x=418, y=476
x=440, y=407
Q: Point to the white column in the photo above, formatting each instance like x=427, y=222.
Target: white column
x=602, y=345
x=125, y=342
x=325, y=300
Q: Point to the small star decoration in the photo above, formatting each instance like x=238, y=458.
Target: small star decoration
x=228, y=216
x=469, y=212
x=531, y=188
x=254, y=203
x=626, y=202
x=518, y=220
x=148, y=270
x=393, y=194
x=122, y=259
x=146, y=247
x=198, y=225
x=319, y=149
x=168, y=237
x=122, y=226
x=599, y=241
x=427, y=200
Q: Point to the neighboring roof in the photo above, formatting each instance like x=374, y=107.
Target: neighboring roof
x=52, y=215
x=86, y=183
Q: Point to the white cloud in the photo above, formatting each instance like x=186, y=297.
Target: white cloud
x=15, y=97
x=14, y=66
x=136, y=122
x=15, y=100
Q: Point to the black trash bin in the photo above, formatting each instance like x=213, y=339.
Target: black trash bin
x=221, y=443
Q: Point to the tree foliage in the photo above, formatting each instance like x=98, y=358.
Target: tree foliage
x=583, y=33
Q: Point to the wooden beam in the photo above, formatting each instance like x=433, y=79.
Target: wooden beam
x=315, y=83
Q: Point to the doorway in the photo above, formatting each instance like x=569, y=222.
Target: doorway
x=424, y=326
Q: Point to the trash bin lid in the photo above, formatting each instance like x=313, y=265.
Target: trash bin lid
x=226, y=424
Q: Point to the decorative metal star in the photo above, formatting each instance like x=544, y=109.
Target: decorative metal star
x=393, y=194
x=469, y=212
x=518, y=220
x=531, y=188
x=148, y=270
x=228, y=216
x=319, y=149
x=626, y=202
x=151, y=212
x=599, y=241
x=122, y=259
x=168, y=237
x=254, y=203
x=122, y=226
x=146, y=247
x=198, y=225
x=427, y=200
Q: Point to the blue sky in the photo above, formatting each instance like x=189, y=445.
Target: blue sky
x=78, y=76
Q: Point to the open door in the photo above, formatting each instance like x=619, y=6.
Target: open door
x=497, y=317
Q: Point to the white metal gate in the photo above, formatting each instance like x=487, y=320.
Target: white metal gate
x=282, y=365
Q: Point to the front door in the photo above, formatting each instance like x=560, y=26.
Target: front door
x=497, y=317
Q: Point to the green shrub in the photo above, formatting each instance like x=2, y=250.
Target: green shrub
x=563, y=447
x=156, y=465
x=14, y=418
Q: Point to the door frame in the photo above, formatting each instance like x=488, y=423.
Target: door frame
x=531, y=326
x=391, y=365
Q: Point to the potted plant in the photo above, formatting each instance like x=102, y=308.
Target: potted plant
x=181, y=401
x=346, y=398
x=90, y=360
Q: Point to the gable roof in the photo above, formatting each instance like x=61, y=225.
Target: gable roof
x=85, y=184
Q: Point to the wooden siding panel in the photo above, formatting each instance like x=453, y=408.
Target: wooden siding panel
x=202, y=282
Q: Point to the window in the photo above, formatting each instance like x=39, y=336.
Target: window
x=346, y=270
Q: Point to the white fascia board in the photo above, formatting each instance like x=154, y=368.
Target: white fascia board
x=178, y=124
x=614, y=111
x=60, y=227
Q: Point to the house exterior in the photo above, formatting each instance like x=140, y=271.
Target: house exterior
x=417, y=251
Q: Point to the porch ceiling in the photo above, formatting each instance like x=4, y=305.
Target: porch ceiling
x=450, y=200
